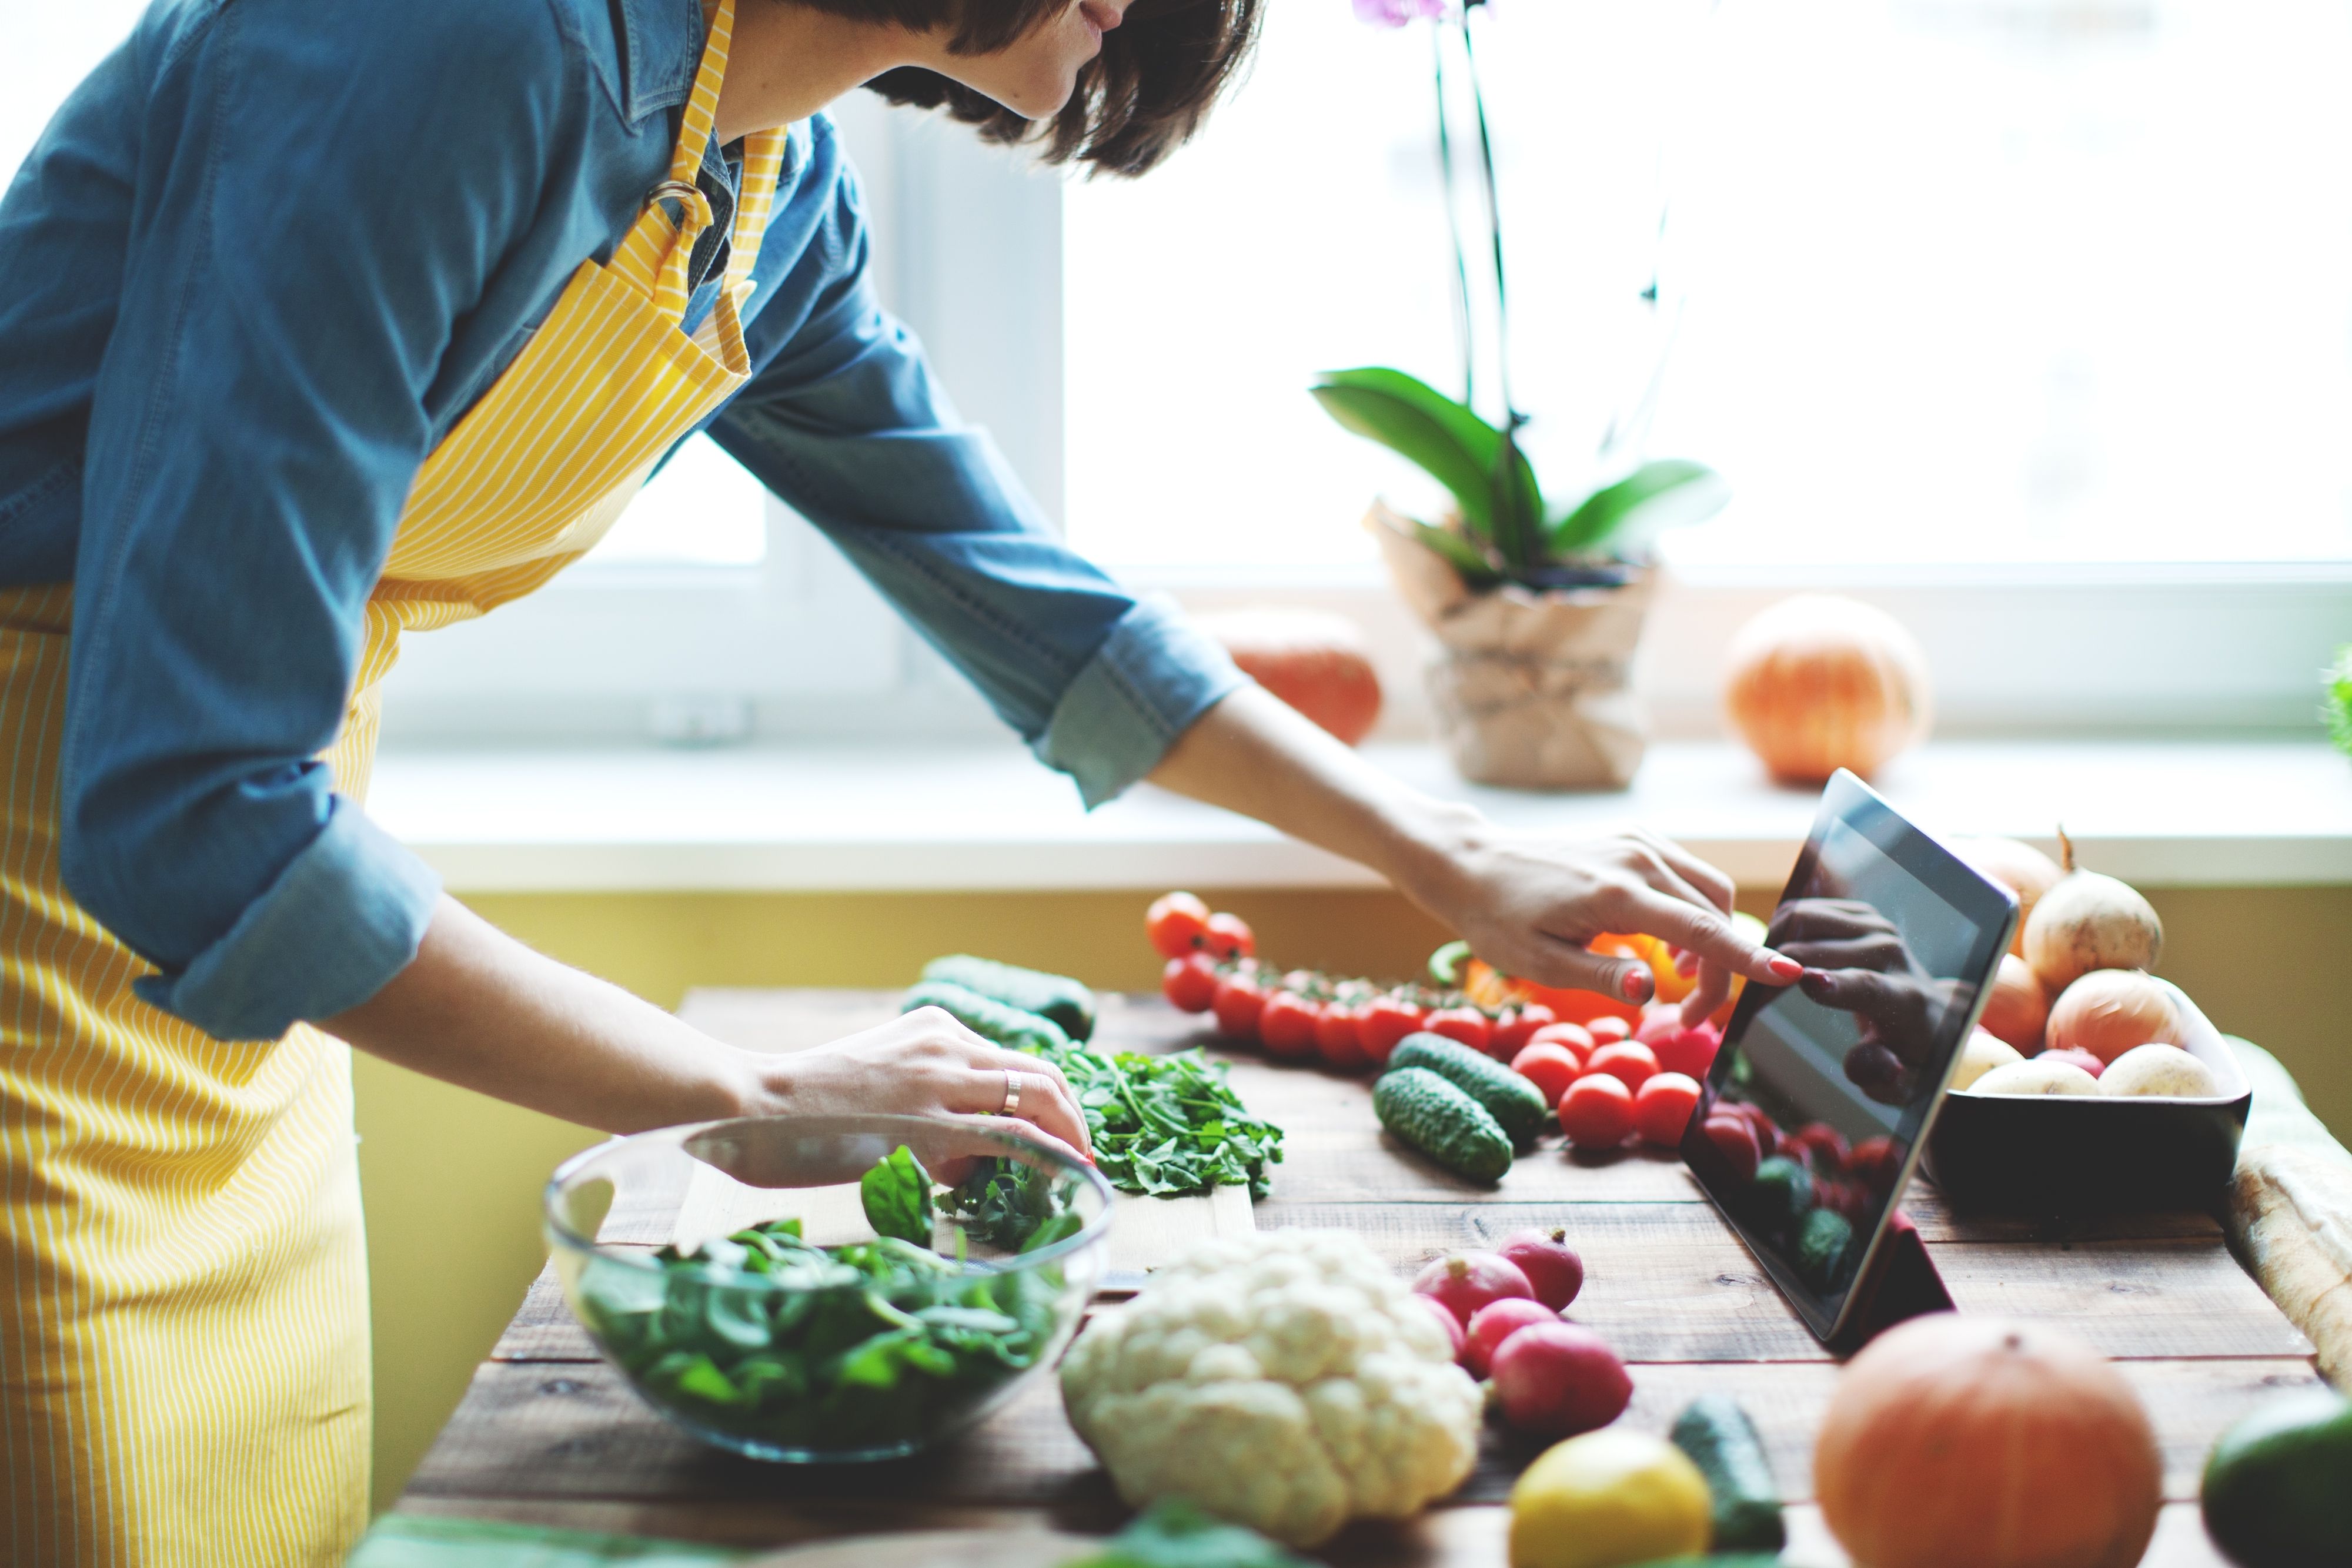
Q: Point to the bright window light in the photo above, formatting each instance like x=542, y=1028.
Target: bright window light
x=703, y=508
x=1942, y=280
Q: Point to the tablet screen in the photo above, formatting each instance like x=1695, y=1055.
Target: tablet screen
x=1834, y=1077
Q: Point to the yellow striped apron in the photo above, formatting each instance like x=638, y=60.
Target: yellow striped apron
x=183, y=1337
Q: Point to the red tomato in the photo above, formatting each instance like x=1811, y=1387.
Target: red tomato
x=1574, y=1037
x=1228, y=937
x=1239, y=1002
x=1874, y=1162
x=1689, y=1052
x=1736, y=1141
x=1629, y=1060
x=1517, y=1027
x=1175, y=922
x=1823, y=1148
x=1338, y=1038
x=1191, y=983
x=1609, y=1027
x=1769, y=1139
x=1286, y=1026
x=1550, y=1068
x=1385, y=1021
x=1467, y=1025
x=1663, y=1107
x=1597, y=1111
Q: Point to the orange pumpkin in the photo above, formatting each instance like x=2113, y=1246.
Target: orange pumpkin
x=1966, y=1442
x=1315, y=661
x=1817, y=683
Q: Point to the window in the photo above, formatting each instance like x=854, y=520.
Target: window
x=1941, y=281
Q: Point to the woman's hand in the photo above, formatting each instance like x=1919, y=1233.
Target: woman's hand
x=1528, y=906
x=924, y=1063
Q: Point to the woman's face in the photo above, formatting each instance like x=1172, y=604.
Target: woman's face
x=1033, y=76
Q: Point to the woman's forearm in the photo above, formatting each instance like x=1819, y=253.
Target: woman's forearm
x=477, y=1009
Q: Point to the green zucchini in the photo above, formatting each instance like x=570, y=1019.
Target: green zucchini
x=1057, y=996
x=990, y=1018
x=1443, y=1122
x=1516, y=1104
x=1722, y=1442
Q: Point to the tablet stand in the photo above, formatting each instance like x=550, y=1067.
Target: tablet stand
x=1902, y=1283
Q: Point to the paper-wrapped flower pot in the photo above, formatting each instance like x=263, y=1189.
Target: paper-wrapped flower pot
x=1531, y=689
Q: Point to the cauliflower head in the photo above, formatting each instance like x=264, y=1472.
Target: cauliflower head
x=1284, y=1380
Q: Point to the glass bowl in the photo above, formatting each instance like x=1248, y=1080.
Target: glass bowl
x=730, y=1270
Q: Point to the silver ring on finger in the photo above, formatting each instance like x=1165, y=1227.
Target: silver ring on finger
x=1012, y=1106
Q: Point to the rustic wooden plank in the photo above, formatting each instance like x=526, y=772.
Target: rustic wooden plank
x=2154, y=1297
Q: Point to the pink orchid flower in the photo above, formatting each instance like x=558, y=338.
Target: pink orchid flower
x=1397, y=13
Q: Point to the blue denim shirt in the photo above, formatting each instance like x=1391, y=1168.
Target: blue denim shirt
x=261, y=261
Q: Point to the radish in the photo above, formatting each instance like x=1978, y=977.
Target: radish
x=1495, y=1322
x=1553, y=1269
x=1462, y=1283
x=1447, y=1321
x=1555, y=1380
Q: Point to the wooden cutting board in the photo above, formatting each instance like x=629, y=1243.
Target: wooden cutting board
x=1146, y=1232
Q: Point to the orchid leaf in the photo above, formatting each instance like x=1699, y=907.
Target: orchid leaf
x=1448, y=442
x=1672, y=486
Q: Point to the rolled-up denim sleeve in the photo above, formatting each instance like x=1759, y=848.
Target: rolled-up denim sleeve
x=849, y=427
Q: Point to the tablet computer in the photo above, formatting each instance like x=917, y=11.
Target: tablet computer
x=1835, y=1078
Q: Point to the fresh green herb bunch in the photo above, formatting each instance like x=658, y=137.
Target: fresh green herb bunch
x=2338, y=708
x=867, y=1345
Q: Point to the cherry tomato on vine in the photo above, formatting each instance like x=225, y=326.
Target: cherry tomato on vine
x=1175, y=922
x=1229, y=936
x=1385, y=1021
x=1286, y=1027
x=1337, y=1037
x=1517, y=1027
x=1190, y=983
x=1550, y=1068
x=1467, y=1025
x=1240, y=1002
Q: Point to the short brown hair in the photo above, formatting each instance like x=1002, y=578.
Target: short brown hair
x=1158, y=73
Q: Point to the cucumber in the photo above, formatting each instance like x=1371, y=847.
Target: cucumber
x=1782, y=1193
x=1516, y=1104
x=990, y=1018
x=1056, y=997
x=1443, y=1122
x=1722, y=1442
x=1823, y=1245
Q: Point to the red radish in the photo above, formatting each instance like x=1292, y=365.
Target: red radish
x=1608, y=1026
x=1662, y=1110
x=1551, y=1264
x=1462, y=1283
x=1286, y=1024
x=1493, y=1323
x=1516, y=1027
x=1550, y=1068
x=1238, y=1006
x=1555, y=1380
x=2078, y=1056
x=1466, y=1025
x=1575, y=1037
x=1689, y=1052
x=1734, y=1140
x=1629, y=1061
x=1456, y=1335
x=1385, y=1021
x=1597, y=1111
x=1335, y=1036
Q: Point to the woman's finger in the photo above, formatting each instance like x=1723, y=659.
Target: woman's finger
x=1663, y=878
x=1709, y=934
x=1714, y=884
x=1029, y=1131
x=1714, y=986
x=1569, y=966
x=1020, y=1062
x=1030, y=1096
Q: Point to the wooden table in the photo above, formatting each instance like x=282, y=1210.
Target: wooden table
x=548, y=1434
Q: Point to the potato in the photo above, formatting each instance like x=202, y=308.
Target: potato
x=1981, y=1055
x=2162, y=1070
x=2037, y=1077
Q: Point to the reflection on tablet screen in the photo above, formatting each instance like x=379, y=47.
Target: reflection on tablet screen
x=1836, y=1073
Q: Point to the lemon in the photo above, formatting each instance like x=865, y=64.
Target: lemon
x=1607, y=1498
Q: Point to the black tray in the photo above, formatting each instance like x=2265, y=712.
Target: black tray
x=2064, y=1155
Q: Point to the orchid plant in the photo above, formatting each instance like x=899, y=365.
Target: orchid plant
x=1504, y=529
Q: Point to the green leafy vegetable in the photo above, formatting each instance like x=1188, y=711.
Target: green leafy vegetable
x=2338, y=705
x=1175, y=1534
x=897, y=1197
x=867, y=1344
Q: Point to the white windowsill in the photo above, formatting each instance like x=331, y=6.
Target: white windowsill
x=874, y=817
